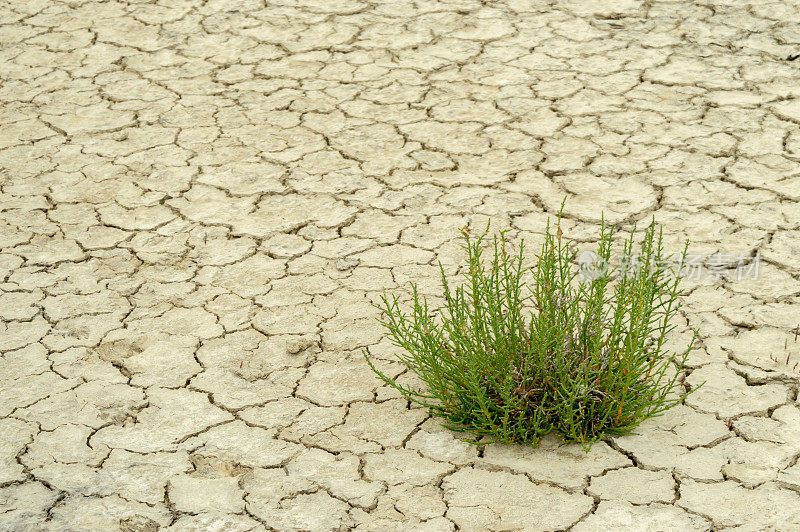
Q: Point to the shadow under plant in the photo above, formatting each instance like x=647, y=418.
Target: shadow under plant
x=511, y=361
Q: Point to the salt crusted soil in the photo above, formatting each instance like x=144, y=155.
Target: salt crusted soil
x=201, y=199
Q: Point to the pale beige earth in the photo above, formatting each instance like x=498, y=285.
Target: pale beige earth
x=200, y=200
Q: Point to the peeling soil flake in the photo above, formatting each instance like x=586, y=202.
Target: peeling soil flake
x=200, y=201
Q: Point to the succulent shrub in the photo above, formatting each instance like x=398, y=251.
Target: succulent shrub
x=511, y=361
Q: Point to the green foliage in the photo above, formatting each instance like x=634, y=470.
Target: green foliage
x=511, y=361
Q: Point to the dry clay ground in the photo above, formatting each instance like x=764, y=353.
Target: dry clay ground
x=201, y=199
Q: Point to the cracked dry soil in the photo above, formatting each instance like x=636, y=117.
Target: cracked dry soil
x=200, y=199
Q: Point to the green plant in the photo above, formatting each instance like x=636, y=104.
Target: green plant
x=512, y=361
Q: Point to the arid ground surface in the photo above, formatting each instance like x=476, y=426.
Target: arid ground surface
x=200, y=200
